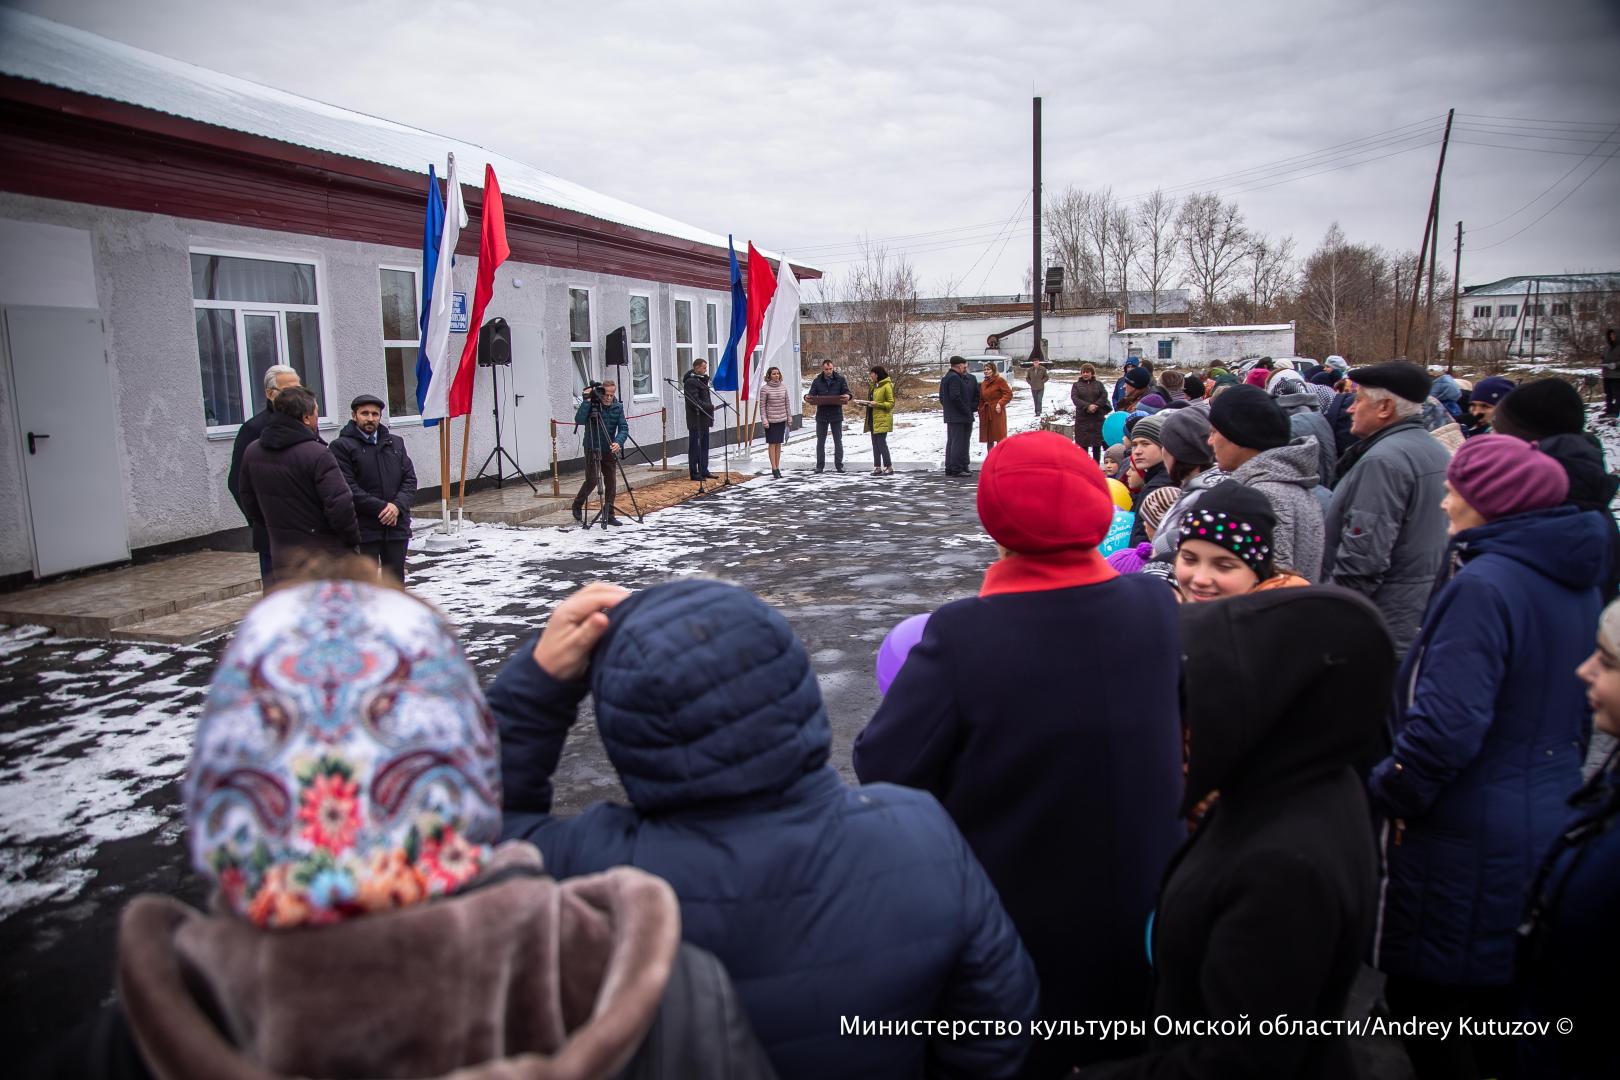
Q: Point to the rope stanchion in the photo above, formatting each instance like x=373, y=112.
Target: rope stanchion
x=556, y=483
x=663, y=437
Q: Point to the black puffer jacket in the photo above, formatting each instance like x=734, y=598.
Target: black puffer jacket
x=292, y=488
x=377, y=475
x=699, y=409
x=1268, y=908
x=246, y=436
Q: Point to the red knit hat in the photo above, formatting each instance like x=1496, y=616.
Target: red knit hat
x=1040, y=493
x=1499, y=475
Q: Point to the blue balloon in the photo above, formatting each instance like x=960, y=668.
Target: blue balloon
x=1119, y=532
x=1114, y=428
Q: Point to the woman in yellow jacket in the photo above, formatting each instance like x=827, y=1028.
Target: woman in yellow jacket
x=880, y=420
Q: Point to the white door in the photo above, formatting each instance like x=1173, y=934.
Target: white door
x=69, y=437
x=525, y=401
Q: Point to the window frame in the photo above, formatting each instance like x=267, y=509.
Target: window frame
x=651, y=345
x=590, y=318
x=1167, y=347
x=389, y=343
x=1560, y=314
x=253, y=394
x=711, y=345
x=1507, y=311
x=691, y=328
x=1482, y=311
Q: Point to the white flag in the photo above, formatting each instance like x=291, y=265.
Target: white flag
x=779, y=334
x=437, y=347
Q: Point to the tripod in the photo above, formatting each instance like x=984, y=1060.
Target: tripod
x=596, y=425
x=497, y=454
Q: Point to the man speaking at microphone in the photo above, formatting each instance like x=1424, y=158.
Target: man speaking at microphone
x=605, y=434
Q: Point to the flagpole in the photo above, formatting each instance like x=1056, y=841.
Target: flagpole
x=461, y=496
x=444, y=477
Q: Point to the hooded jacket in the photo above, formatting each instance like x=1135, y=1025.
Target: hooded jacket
x=292, y=488
x=1286, y=476
x=583, y=979
x=1489, y=739
x=1591, y=487
x=377, y=475
x=1385, y=531
x=1265, y=910
x=1068, y=798
x=1305, y=417
x=822, y=900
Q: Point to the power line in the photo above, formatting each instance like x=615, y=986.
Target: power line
x=1499, y=132
x=1524, y=149
x=1551, y=186
x=1538, y=120
x=992, y=267
x=1010, y=219
x=1596, y=169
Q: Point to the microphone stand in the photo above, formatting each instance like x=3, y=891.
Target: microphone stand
x=709, y=412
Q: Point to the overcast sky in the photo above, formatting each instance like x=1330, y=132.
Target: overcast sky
x=806, y=126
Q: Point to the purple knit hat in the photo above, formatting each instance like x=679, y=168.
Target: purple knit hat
x=1499, y=475
x=1130, y=560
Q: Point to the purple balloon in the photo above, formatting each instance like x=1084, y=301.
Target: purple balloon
x=896, y=644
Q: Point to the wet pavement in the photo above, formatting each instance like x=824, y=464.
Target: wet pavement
x=94, y=735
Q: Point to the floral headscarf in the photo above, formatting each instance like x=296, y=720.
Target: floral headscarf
x=346, y=761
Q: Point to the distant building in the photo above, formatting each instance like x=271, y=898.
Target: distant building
x=1561, y=315
x=1186, y=347
x=170, y=231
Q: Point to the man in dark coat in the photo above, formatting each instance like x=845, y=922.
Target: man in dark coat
x=382, y=480
x=828, y=391
x=606, y=430
x=959, y=398
x=1611, y=375
x=1266, y=910
x=699, y=419
x=277, y=378
x=824, y=901
x=293, y=489
x=1069, y=801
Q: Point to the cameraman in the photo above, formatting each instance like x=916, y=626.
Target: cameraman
x=605, y=433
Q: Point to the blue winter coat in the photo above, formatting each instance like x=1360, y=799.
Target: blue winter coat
x=1489, y=739
x=823, y=900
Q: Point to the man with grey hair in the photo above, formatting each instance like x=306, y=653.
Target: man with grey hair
x=277, y=377
x=1386, y=532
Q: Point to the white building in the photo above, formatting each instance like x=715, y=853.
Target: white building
x=1542, y=314
x=1200, y=346
x=169, y=232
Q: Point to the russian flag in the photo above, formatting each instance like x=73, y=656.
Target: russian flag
x=492, y=251
x=433, y=392
x=725, y=376
x=761, y=287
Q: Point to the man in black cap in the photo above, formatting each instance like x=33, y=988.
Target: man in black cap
x=383, y=481
x=959, y=399
x=1386, y=532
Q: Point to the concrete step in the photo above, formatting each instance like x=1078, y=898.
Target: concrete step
x=191, y=625
x=98, y=604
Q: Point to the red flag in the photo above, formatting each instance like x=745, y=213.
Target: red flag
x=492, y=251
x=761, y=287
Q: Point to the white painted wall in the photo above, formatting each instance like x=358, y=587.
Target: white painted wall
x=1068, y=337
x=1202, y=346
x=174, y=472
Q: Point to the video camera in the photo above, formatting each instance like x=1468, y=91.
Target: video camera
x=592, y=393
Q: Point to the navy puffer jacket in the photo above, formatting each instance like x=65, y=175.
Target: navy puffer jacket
x=823, y=901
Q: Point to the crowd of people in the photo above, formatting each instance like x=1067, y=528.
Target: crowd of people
x=1354, y=733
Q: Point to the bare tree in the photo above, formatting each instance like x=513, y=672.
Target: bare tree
x=876, y=301
x=1578, y=320
x=1269, y=266
x=1096, y=229
x=1066, y=241
x=1122, y=241
x=1344, y=298
x=1212, y=238
x=1156, y=245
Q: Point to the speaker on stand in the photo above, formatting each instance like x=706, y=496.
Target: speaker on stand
x=495, y=352
x=618, y=348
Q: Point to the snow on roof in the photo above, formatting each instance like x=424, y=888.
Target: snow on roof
x=1162, y=330
x=1550, y=283
x=47, y=52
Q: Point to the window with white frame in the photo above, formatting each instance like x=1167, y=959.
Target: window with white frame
x=579, y=333
x=1535, y=309
x=712, y=312
x=1482, y=311
x=1508, y=311
x=684, y=350
x=253, y=311
x=641, y=350
x=1560, y=309
x=402, y=337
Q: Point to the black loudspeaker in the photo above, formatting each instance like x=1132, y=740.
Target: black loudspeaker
x=494, y=343
x=618, y=351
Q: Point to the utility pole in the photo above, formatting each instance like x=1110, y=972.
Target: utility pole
x=1428, y=230
x=1395, y=323
x=1037, y=273
x=1535, y=322
x=1456, y=295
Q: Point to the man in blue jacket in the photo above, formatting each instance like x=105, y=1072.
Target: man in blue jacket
x=828, y=392
x=959, y=397
x=831, y=906
x=605, y=432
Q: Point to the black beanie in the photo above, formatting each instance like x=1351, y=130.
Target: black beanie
x=1237, y=518
x=1138, y=378
x=1541, y=408
x=1194, y=387
x=1249, y=417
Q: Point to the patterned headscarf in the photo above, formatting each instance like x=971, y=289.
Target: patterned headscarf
x=345, y=761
